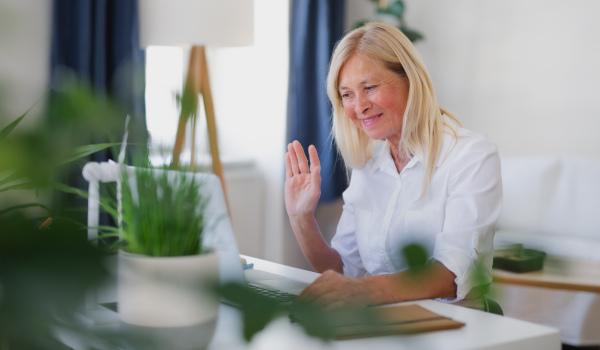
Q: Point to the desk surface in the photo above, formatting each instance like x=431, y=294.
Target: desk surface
x=558, y=273
x=482, y=330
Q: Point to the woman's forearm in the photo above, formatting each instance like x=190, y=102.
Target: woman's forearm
x=433, y=281
x=318, y=253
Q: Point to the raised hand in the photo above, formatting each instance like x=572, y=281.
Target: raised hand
x=302, y=185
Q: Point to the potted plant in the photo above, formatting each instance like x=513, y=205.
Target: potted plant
x=165, y=275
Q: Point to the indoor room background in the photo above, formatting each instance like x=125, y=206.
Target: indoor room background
x=523, y=72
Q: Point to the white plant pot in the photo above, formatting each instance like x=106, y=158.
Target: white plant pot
x=170, y=298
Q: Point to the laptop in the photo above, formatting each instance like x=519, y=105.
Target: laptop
x=219, y=235
x=231, y=269
x=280, y=289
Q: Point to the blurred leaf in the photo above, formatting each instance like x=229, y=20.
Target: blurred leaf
x=27, y=205
x=415, y=255
x=83, y=151
x=70, y=189
x=257, y=311
x=44, y=276
x=396, y=8
x=21, y=186
x=110, y=209
x=317, y=321
x=412, y=35
x=10, y=178
x=360, y=24
x=7, y=129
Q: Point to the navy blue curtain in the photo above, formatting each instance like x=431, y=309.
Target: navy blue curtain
x=98, y=42
x=316, y=25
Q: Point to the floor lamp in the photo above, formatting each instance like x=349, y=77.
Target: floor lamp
x=199, y=24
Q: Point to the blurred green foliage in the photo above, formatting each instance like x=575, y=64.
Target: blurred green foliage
x=316, y=320
x=74, y=118
x=46, y=263
x=44, y=275
x=394, y=10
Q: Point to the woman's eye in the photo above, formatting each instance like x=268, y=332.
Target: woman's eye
x=345, y=96
x=370, y=88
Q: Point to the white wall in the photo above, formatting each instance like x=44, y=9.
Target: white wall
x=250, y=96
x=24, y=56
x=24, y=63
x=524, y=72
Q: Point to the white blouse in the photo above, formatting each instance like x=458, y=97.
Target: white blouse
x=455, y=221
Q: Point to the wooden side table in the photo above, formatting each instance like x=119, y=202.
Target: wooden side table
x=558, y=273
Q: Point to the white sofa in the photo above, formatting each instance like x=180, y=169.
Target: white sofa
x=552, y=204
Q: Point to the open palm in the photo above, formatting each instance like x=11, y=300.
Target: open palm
x=302, y=184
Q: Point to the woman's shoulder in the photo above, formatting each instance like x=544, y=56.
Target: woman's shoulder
x=459, y=143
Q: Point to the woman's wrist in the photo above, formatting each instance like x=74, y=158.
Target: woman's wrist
x=383, y=289
x=302, y=220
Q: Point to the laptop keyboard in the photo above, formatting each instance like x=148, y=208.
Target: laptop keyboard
x=271, y=294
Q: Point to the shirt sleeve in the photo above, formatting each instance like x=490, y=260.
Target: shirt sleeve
x=344, y=240
x=472, y=208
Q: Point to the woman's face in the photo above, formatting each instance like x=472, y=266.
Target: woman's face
x=374, y=98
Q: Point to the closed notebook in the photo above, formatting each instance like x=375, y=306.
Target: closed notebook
x=400, y=319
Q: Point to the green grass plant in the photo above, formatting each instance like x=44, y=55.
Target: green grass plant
x=163, y=213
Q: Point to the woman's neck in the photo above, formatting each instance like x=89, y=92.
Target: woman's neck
x=399, y=156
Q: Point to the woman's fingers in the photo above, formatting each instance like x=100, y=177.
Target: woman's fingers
x=288, y=166
x=319, y=287
x=315, y=166
x=334, y=290
x=301, y=156
x=298, y=163
x=314, y=157
x=293, y=159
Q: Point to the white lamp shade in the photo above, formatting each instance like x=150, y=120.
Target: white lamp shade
x=196, y=22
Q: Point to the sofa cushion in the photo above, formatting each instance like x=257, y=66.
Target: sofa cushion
x=551, y=195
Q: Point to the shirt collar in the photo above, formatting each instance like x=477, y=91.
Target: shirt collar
x=382, y=158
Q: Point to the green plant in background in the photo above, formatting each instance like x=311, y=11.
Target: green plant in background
x=392, y=12
x=35, y=159
x=45, y=270
x=163, y=213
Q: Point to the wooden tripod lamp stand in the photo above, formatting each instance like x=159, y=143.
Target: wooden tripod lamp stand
x=197, y=23
x=197, y=83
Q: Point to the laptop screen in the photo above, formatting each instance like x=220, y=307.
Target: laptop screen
x=218, y=232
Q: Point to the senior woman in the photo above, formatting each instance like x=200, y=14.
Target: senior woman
x=417, y=177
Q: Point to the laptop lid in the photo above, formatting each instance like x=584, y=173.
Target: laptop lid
x=218, y=232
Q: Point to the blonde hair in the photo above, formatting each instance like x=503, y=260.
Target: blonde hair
x=422, y=125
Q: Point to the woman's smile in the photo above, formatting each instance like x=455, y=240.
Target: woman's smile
x=371, y=120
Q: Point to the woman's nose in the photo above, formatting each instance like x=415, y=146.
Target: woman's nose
x=362, y=104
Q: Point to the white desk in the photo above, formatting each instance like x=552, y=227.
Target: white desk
x=482, y=330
